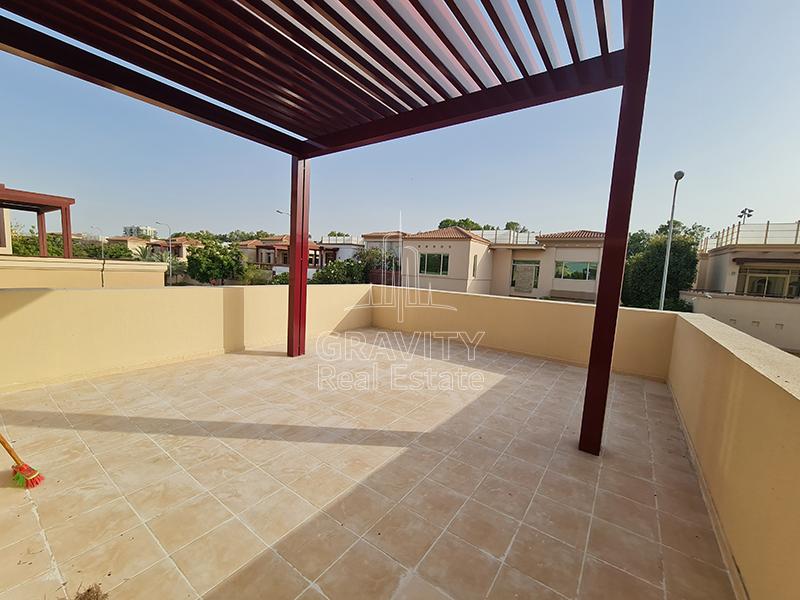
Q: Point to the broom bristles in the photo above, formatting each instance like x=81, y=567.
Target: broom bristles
x=26, y=476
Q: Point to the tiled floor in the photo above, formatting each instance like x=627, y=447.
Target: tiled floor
x=238, y=477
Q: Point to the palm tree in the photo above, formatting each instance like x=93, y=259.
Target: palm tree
x=144, y=253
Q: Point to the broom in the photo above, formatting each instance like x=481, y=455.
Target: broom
x=24, y=475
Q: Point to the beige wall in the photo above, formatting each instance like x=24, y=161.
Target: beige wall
x=739, y=399
x=59, y=335
x=38, y=272
x=556, y=330
x=458, y=270
x=5, y=231
x=772, y=320
x=481, y=257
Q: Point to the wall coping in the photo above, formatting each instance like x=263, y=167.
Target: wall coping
x=780, y=367
x=732, y=296
x=55, y=263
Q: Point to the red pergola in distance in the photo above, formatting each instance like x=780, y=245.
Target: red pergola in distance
x=41, y=204
x=330, y=75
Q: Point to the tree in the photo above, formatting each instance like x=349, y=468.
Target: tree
x=464, y=223
x=637, y=241
x=643, y=273
x=337, y=234
x=514, y=226
x=695, y=232
x=349, y=270
x=280, y=279
x=215, y=262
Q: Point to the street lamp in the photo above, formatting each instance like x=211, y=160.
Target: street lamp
x=169, y=249
x=678, y=176
x=745, y=214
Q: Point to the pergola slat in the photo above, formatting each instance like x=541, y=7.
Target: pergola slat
x=509, y=39
x=41, y=48
x=602, y=28
x=541, y=32
x=466, y=21
x=569, y=22
x=588, y=76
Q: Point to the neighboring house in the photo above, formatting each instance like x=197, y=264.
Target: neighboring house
x=389, y=241
x=339, y=248
x=5, y=231
x=180, y=246
x=132, y=243
x=748, y=276
x=273, y=253
x=557, y=265
x=139, y=231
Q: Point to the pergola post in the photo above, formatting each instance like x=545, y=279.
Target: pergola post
x=638, y=23
x=41, y=227
x=298, y=256
x=66, y=231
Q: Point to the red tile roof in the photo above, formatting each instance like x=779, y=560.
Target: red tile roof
x=576, y=234
x=385, y=234
x=448, y=233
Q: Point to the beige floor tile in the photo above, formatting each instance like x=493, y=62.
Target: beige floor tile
x=274, y=516
x=484, y=527
x=245, y=490
x=577, y=467
x=476, y=455
x=266, y=576
x=518, y=471
x=439, y=441
x=571, y=492
x=359, y=508
x=19, y=522
x=496, y=440
x=601, y=581
x=457, y=476
x=504, y=496
x=558, y=520
x=114, y=561
x=393, y=481
x=197, y=450
x=46, y=587
x=689, y=507
x=626, y=550
x=689, y=579
x=691, y=539
x=363, y=573
x=626, y=513
x=56, y=509
x=23, y=560
x=89, y=529
x=321, y=485
x=315, y=545
x=546, y=560
x=434, y=502
x=225, y=465
x=134, y=476
x=530, y=452
x=416, y=588
x=161, y=496
x=403, y=535
x=188, y=521
x=162, y=580
x=459, y=568
x=631, y=487
x=311, y=594
x=291, y=465
x=217, y=555
x=511, y=584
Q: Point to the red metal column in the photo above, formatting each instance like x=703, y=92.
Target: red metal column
x=638, y=16
x=41, y=226
x=298, y=256
x=66, y=231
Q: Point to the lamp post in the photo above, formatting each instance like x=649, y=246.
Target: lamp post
x=678, y=176
x=745, y=214
x=169, y=248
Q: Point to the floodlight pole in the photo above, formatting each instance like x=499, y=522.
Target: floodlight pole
x=678, y=177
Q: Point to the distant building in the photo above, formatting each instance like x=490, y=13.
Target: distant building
x=140, y=231
x=132, y=243
x=748, y=276
x=563, y=265
x=180, y=246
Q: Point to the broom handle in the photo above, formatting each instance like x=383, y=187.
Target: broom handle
x=10, y=450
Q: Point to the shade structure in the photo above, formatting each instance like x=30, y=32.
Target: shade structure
x=313, y=77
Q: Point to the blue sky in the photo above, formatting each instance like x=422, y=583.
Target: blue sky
x=722, y=105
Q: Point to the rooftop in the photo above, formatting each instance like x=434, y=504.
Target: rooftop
x=448, y=233
x=223, y=476
x=576, y=234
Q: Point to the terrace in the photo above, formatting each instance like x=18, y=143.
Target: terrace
x=188, y=455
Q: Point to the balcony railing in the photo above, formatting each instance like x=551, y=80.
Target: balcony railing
x=759, y=234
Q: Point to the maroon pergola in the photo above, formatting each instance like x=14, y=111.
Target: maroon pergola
x=41, y=204
x=320, y=76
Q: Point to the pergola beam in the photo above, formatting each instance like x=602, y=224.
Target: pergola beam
x=298, y=256
x=596, y=74
x=26, y=42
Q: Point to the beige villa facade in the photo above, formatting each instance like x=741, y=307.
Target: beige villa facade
x=561, y=265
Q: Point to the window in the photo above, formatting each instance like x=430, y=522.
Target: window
x=526, y=263
x=434, y=264
x=576, y=270
x=775, y=283
x=475, y=266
